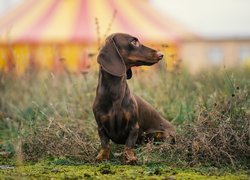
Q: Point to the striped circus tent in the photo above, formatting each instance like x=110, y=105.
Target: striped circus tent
x=55, y=34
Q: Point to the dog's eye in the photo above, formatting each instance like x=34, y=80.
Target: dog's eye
x=135, y=43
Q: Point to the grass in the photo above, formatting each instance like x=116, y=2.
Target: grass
x=52, y=169
x=45, y=115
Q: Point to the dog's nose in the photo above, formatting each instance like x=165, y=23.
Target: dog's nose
x=159, y=55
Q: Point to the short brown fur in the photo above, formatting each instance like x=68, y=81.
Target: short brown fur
x=122, y=116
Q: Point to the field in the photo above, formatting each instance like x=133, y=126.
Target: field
x=47, y=128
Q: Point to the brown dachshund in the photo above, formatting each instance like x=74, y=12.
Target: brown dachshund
x=120, y=115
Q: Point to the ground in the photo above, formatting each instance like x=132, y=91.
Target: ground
x=113, y=171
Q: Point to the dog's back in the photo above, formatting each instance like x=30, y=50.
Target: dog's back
x=152, y=122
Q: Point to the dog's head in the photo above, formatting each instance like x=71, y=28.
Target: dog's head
x=123, y=51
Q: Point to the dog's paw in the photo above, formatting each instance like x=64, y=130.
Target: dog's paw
x=100, y=158
x=103, y=154
x=132, y=161
x=129, y=157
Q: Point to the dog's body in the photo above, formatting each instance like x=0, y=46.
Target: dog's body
x=120, y=115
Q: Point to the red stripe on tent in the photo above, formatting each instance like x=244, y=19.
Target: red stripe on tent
x=81, y=31
x=121, y=19
x=148, y=14
x=33, y=34
x=7, y=22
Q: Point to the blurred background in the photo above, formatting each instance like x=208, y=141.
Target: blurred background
x=49, y=74
x=66, y=34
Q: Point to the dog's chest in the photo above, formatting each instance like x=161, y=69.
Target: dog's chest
x=113, y=116
x=117, y=121
x=118, y=116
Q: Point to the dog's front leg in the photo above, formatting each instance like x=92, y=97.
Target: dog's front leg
x=129, y=155
x=105, y=147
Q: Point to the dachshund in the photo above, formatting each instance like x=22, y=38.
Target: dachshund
x=121, y=116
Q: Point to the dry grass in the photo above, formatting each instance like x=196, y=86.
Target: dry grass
x=219, y=136
x=45, y=115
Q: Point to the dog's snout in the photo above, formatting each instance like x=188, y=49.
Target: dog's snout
x=159, y=55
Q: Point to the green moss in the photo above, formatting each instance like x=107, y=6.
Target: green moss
x=111, y=171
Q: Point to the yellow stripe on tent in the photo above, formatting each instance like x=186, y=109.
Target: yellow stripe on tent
x=21, y=56
x=98, y=9
x=3, y=58
x=45, y=56
x=71, y=55
x=59, y=27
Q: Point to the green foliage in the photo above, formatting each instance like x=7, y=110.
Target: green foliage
x=50, y=115
x=46, y=170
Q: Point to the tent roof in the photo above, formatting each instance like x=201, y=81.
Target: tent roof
x=50, y=21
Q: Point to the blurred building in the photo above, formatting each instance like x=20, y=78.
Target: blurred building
x=204, y=53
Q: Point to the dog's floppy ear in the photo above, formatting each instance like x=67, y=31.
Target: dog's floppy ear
x=110, y=59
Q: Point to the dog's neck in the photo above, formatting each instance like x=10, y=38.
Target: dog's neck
x=111, y=86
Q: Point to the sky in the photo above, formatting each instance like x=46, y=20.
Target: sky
x=210, y=18
x=5, y=5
